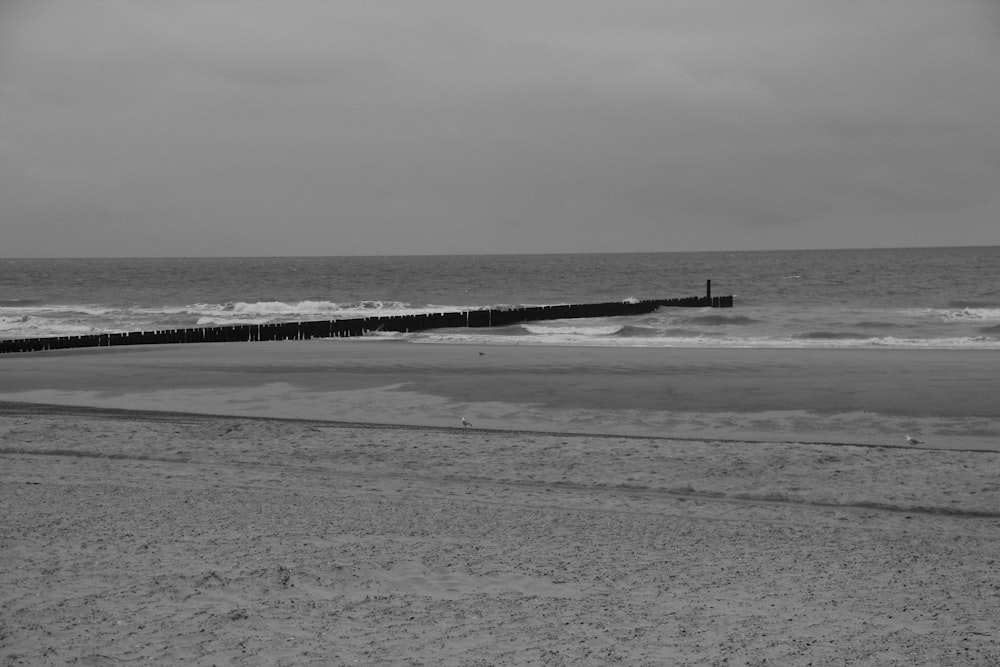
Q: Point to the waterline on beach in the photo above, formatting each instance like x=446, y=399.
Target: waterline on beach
x=838, y=396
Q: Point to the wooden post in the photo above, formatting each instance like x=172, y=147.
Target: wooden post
x=708, y=290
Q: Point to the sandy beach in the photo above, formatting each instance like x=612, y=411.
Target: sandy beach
x=319, y=503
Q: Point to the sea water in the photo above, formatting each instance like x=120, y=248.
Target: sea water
x=943, y=298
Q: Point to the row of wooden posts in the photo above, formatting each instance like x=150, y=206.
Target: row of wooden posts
x=361, y=326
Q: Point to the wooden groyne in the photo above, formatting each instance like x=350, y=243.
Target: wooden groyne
x=360, y=326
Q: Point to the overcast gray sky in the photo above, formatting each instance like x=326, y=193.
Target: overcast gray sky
x=329, y=127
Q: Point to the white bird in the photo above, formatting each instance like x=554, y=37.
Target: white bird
x=465, y=422
x=913, y=441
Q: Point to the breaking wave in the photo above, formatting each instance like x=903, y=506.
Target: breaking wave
x=973, y=314
x=830, y=335
x=721, y=320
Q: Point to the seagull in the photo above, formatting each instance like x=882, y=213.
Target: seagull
x=913, y=441
x=465, y=422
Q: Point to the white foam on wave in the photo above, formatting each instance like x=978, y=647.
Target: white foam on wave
x=37, y=327
x=268, y=311
x=282, y=308
x=390, y=335
x=56, y=309
x=260, y=312
x=59, y=320
x=973, y=315
x=572, y=330
x=224, y=321
x=326, y=309
x=954, y=314
x=482, y=336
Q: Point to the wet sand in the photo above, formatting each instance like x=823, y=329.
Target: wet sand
x=945, y=398
x=689, y=507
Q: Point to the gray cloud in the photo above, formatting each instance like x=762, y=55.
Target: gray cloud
x=313, y=127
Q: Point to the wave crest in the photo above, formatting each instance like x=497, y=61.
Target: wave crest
x=578, y=330
x=633, y=331
x=973, y=315
x=307, y=307
x=721, y=320
x=830, y=335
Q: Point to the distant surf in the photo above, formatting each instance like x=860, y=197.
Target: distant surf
x=806, y=299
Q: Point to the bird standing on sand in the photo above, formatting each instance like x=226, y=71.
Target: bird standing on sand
x=465, y=422
x=913, y=441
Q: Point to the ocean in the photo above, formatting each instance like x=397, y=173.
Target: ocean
x=936, y=298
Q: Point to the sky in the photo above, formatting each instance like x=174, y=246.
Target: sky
x=370, y=127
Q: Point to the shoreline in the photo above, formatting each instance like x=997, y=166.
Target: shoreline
x=944, y=398
x=251, y=504
x=228, y=364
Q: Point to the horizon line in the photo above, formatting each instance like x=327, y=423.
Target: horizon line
x=509, y=254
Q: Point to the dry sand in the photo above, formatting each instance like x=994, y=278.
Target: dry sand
x=671, y=507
